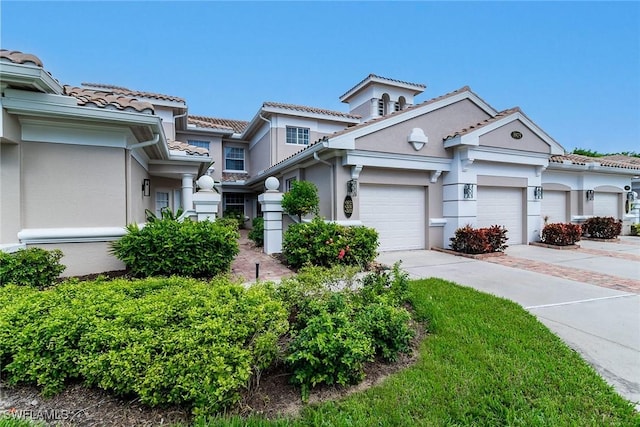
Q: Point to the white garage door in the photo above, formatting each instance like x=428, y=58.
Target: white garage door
x=606, y=204
x=397, y=212
x=501, y=206
x=554, y=206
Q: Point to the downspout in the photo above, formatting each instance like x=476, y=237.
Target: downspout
x=331, y=189
x=270, y=139
x=155, y=140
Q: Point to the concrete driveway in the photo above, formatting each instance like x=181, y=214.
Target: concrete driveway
x=589, y=297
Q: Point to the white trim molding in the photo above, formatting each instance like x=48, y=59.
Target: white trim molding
x=398, y=161
x=70, y=235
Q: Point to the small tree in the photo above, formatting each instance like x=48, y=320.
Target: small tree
x=301, y=200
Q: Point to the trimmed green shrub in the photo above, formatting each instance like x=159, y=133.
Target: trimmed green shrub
x=635, y=229
x=469, y=240
x=167, y=340
x=326, y=243
x=330, y=348
x=302, y=199
x=257, y=231
x=168, y=247
x=561, y=234
x=602, y=227
x=30, y=267
x=335, y=332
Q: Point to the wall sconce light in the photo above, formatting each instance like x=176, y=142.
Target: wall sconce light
x=590, y=194
x=352, y=187
x=537, y=193
x=146, y=187
x=468, y=191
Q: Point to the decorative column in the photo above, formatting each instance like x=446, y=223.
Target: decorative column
x=187, y=191
x=206, y=200
x=271, y=202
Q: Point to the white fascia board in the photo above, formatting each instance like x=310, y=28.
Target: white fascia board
x=188, y=157
x=70, y=234
x=395, y=161
x=505, y=155
x=45, y=109
x=317, y=116
x=207, y=131
x=30, y=75
x=347, y=140
x=585, y=168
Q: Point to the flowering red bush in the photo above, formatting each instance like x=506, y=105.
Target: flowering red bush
x=561, y=234
x=471, y=240
x=602, y=227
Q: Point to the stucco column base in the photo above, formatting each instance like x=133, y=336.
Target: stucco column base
x=205, y=204
x=271, y=203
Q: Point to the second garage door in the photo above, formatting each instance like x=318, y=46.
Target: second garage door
x=606, y=204
x=502, y=206
x=554, y=206
x=397, y=212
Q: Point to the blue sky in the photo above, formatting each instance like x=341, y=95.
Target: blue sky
x=573, y=67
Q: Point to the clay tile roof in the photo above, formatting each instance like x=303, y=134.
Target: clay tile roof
x=134, y=93
x=477, y=126
x=314, y=110
x=237, y=126
x=374, y=76
x=187, y=148
x=624, y=162
x=18, y=57
x=233, y=176
x=107, y=100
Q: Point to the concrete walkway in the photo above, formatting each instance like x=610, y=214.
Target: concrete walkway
x=589, y=297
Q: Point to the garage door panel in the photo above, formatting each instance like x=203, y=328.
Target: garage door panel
x=501, y=206
x=605, y=204
x=554, y=206
x=397, y=212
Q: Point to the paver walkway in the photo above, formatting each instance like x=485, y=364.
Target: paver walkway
x=579, y=275
x=244, y=265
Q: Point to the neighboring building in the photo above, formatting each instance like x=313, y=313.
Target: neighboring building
x=78, y=164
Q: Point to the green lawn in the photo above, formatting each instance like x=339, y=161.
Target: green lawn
x=486, y=362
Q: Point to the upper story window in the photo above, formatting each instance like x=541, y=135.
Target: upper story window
x=298, y=136
x=196, y=143
x=234, y=158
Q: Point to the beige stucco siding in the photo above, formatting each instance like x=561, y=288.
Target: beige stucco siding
x=73, y=186
x=320, y=175
x=260, y=155
x=436, y=125
x=138, y=201
x=85, y=258
x=10, y=201
x=501, y=138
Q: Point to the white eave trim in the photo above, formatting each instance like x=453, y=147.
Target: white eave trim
x=396, y=161
x=570, y=167
x=417, y=88
x=347, y=140
x=70, y=235
x=505, y=155
x=31, y=75
x=307, y=114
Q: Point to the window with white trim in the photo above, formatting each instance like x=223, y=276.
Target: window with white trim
x=298, y=136
x=197, y=143
x=234, y=158
x=289, y=183
x=162, y=201
x=234, y=202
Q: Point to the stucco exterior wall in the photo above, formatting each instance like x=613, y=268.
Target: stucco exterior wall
x=436, y=125
x=320, y=175
x=10, y=198
x=85, y=258
x=501, y=138
x=260, y=155
x=89, y=193
x=137, y=200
